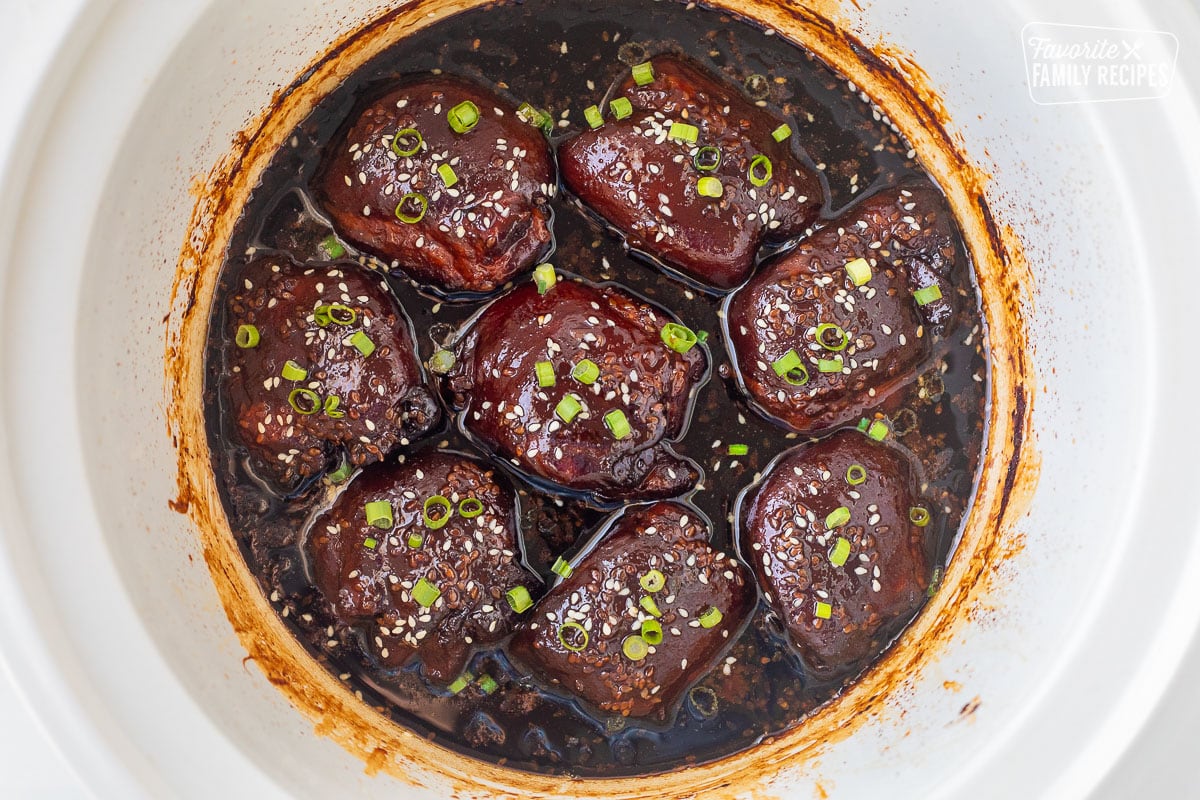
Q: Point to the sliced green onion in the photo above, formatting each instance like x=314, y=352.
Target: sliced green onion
x=840, y=552
x=679, y=338
x=529, y=115
x=532, y=116
x=684, y=132
x=572, y=636
x=739, y=449
x=426, y=593
x=859, y=271
x=856, y=474
x=782, y=132
x=617, y=424
x=379, y=514
x=415, y=540
x=545, y=373
x=709, y=186
x=797, y=376
x=488, y=685
x=926, y=295
x=862, y=425
x=544, y=277
x=832, y=337
x=653, y=581
x=246, y=337
x=593, y=116
x=292, y=371
x=330, y=407
x=518, y=597
x=342, y=472
x=829, y=364
x=760, y=170
x=410, y=135
x=332, y=247
x=711, y=617
x=786, y=362
x=442, y=361
x=789, y=367
x=652, y=631
x=561, y=568
x=635, y=648
x=470, y=507
x=370, y=543
x=586, y=372
x=643, y=73
x=935, y=580
x=304, y=401
x=447, y=174
x=707, y=158
x=463, y=117
x=568, y=408
x=621, y=107
x=437, y=512
x=824, y=610
x=362, y=343
x=649, y=606
x=918, y=516
x=412, y=219
x=335, y=313
x=838, y=517
x=701, y=336
x=878, y=430
x=460, y=683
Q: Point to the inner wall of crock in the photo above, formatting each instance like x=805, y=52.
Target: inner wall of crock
x=225, y=70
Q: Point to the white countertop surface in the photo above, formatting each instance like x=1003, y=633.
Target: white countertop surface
x=1162, y=764
x=30, y=767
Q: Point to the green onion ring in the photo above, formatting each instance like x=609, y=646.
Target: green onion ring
x=519, y=599
x=292, y=371
x=404, y=133
x=653, y=581
x=463, y=117
x=635, y=648
x=426, y=593
x=841, y=338
x=412, y=219
x=312, y=402
x=707, y=158
x=379, y=514
x=573, y=626
x=246, y=337
x=838, y=517
x=433, y=503
x=760, y=170
x=336, y=313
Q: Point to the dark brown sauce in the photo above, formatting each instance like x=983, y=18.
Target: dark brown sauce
x=940, y=418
